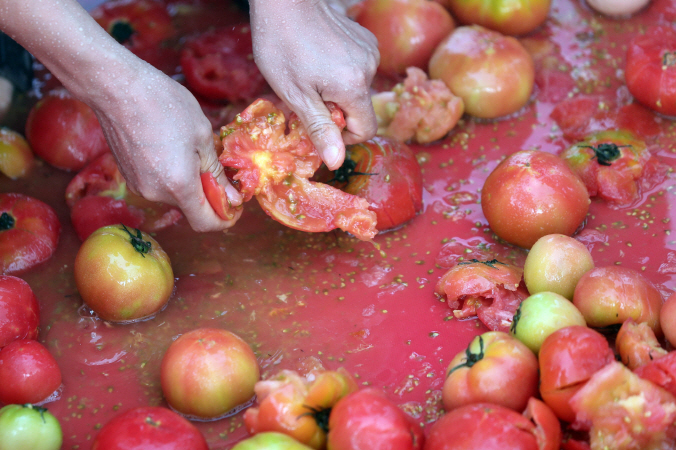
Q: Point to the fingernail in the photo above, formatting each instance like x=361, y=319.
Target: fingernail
x=234, y=197
x=332, y=157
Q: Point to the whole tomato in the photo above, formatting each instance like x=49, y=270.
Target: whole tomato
x=368, y=420
x=149, y=427
x=531, y=194
x=123, y=274
x=407, y=30
x=651, y=69
x=29, y=427
x=504, y=16
x=492, y=73
x=270, y=440
x=16, y=157
x=637, y=344
x=495, y=368
x=29, y=233
x=209, y=373
x=20, y=316
x=668, y=319
x=568, y=358
x=610, y=295
x=29, y=373
x=386, y=173
x=64, y=131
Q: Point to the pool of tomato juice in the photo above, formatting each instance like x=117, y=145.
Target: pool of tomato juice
x=293, y=295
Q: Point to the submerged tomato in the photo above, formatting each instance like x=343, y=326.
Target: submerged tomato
x=29, y=373
x=505, y=16
x=16, y=157
x=149, y=427
x=29, y=427
x=490, y=290
x=19, y=310
x=29, y=233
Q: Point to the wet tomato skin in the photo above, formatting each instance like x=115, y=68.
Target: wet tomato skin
x=20, y=312
x=531, y=194
x=29, y=373
x=16, y=156
x=29, y=427
x=637, y=344
x=507, y=17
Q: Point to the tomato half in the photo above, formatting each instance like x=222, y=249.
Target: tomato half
x=29, y=373
x=20, y=316
x=637, y=345
x=504, y=16
x=16, y=157
x=29, y=233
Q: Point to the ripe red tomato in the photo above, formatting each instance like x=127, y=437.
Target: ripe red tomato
x=637, y=344
x=386, y=173
x=29, y=373
x=490, y=290
x=149, y=427
x=16, y=157
x=113, y=269
x=219, y=65
x=29, y=233
x=660, y=371
x=568, y=358
x=610, y=295
x=651, y=69
x=492, y=73
x=209, y=373
x=368, y=420
x=531, y=194
x=407, y=30
x=503, y=16
x=298, y=406
x=668, y=319
x=64, y=131
x=495, y=368
x=20, y=316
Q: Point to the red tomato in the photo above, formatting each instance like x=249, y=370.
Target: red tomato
x=137, y=24
x=496, y=368
x=149, y=427
x=386, y=173
x=209, y=373
x=219, y=65
x=610, y=295
x=418, y=109
x=668, y=319
x=29, y=233
x=368, y=420
x=490, y=290
x=274, y=165
x=610, y=163
x=492, y=73
x=637, y=345
x=651, y=69
x=29, y=373
x=531, y=194
x=113, y=269
x=660, y=371
x=407, y=30
x=298, y=406
x=624, y=411
x=504, y=16
x=568, y=358
x=64, y=131
x=16, y=157
x=19, y=310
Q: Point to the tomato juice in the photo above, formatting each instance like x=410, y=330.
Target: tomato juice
x=292, y=295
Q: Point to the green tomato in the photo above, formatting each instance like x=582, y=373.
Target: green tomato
x=542, y=314
x=29, y=427
x=270, y=441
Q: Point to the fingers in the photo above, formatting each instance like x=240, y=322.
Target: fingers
x=361, y=120
x=209, y=163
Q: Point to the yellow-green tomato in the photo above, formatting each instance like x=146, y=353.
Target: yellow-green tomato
x=542, y=314
x=28, y=427
x=556, y=263
x=270, y=441
x=16, y=156
x=513, y=17
x=123, y=274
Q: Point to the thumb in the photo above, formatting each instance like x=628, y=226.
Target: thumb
x=323, y=133
x=209, y=163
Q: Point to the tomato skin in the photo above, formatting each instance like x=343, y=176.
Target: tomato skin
x=531, y=194
x=29, y=233
x=637, y=345
x=20, y=316
x=496, y=368
x=93, y=212
x=270, y=440
x=547, y=426
x=610, y=295
x=513, y=18
x=407, y=31
x=368, y=420
x=650, y=71
x=29, y=427
x=660, y=371
x=668, y=319
x=217, y=197
x=64, y=131
x=16, y=156
x=151, y=428
x=208, y=373
x=113, y=276
x=29, y=373
x=492, y=73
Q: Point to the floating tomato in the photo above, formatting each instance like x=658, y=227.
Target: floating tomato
x=505, y=16
x=20, y=310
x=16, y=157
x=29, y=373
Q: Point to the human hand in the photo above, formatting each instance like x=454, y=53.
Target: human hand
x=310, y=53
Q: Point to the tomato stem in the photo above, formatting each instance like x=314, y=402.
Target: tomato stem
x=6, y=222
x=321, y=416
x=490, y=263
x=344, y=172
x=470, y=358
x=122, y=31
x=39, y=409
x=137, y=241
x=606, y=152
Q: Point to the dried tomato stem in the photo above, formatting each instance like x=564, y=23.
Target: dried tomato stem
x=6, y=222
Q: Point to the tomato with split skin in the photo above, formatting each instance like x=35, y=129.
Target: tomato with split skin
x=637, y=344
x=507, y=17
x=20, y=316
x=29, y=373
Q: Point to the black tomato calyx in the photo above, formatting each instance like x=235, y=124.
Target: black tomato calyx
x=490, y=263
x=6, y=222
x=470, y=358
x=344, y=172
x=122, y=31
x=668, y=59
x=320, y=415
x=515, y=320
x=606, y=152
x=137, y=241
x=39, y=409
